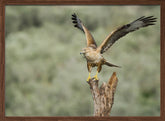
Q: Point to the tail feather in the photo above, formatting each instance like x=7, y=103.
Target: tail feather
x=110, y=64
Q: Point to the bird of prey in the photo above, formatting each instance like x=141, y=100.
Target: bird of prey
x=94, y=53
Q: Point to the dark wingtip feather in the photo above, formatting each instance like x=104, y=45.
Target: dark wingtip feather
x=149, y=20
x=76, y=21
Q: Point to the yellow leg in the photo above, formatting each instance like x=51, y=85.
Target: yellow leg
x=89, y=76
x=96, y=76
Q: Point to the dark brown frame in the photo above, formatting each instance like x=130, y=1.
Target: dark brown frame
x=3, y=3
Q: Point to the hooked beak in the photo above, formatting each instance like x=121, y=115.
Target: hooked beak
x=82, y=52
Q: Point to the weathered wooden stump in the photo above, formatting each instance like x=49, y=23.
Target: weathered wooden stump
x=103, y=97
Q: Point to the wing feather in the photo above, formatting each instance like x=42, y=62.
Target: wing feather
x=125, y=29
x=78, y=24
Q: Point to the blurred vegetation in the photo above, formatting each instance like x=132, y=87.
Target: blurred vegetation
x=46, y=76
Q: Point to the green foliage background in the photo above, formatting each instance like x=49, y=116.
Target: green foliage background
x=46, y=76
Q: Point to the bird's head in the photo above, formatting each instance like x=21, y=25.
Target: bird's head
x=82, y=52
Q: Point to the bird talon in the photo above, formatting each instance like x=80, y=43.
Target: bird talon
x=96, y=77
x=88, y=79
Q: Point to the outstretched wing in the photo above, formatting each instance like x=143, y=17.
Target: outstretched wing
x=123, y=30
x=77, y=23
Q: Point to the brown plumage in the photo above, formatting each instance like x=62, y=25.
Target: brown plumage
x=93, y=54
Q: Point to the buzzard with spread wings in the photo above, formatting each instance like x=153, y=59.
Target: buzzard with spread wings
x=93, y=53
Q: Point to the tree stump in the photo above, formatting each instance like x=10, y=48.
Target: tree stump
x=103, y=97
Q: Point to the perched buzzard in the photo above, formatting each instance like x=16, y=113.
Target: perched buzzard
x=93, y=54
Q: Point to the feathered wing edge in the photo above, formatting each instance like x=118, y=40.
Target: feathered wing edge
x=78, y=24
x=123, y=30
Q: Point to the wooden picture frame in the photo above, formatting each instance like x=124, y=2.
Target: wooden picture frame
x=3, y=3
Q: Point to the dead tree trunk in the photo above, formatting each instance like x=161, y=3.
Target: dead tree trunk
x=103, y=97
